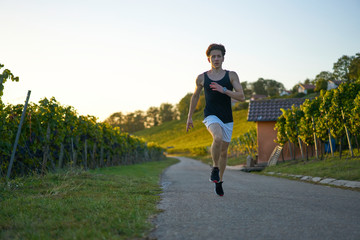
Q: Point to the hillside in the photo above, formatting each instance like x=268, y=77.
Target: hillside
x=173, y=134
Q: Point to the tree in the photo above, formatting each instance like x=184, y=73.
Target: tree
x=267, y=87
x=115, y=119
x=321, y=80
x=183, y=106
x=354, y=68
x=321, y=84
x=341, y=68
x=139, y=120
x=166, y=112
x=152, y=117
x=259, y=87
x=134, y=121
x=295, y=88
x=246, y=89
x=273, y=87
x=130, y=122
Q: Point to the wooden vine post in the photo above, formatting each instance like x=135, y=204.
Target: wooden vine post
x=290, y=149
x=93, y=163
x=17, y=135
x=61, y=156
x=73, y=152
x=46, y=150
x=299, y=140
x=315, y=139
x=347, y=134
x=85, y=154
x=330, y=143
x=102, y=155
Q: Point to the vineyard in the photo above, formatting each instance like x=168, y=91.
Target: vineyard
x=54, y=136
x=334, y=114
x=245, y=144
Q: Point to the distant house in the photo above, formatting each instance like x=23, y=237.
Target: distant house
x=256, y=97
x=333, y=84
x=285, y=93
x=265, y=113
x=304, y=88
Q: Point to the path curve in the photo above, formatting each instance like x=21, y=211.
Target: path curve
x=253, y=207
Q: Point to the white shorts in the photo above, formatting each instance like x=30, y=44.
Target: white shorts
x=227, y=128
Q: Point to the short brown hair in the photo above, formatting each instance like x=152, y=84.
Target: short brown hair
x=215, y=46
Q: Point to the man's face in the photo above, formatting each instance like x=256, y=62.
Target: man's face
x=216, y=58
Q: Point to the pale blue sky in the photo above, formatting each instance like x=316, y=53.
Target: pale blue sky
x=107, y=56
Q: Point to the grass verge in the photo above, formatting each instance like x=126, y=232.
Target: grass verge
x=107, y=203
x=332, y=167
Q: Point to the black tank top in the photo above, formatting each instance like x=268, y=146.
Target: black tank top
x=217, y=103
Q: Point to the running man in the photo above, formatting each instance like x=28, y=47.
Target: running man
x=219, y=86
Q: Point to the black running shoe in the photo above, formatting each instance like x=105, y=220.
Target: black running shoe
x=215, y=175
x=218, y=189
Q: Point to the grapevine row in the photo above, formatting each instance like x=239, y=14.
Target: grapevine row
x=333, y=114
x=244, y=144
x=54, y=136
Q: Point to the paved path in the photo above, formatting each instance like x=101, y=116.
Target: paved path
x=254, y=207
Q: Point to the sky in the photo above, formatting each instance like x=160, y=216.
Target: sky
x=103, y=57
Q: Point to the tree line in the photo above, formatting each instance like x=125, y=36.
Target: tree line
x=154, y=116
x=346, y=68
x=139, y=120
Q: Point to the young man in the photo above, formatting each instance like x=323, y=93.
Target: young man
x=218, y=86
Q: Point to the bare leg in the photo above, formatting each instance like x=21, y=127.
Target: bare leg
x=216, y=132
x=223, y=158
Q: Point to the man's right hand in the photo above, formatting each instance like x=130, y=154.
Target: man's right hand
x=189, y=124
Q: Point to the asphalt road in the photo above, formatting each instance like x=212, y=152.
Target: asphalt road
x=253, y=207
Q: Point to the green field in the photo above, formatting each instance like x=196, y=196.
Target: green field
x=173, y=134
x=107, y=203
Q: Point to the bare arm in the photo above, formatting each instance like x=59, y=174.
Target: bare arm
x=194, y=101
x=238, y=94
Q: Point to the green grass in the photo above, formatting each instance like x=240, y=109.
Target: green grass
x=108, y=203
x=173, y=134
x=332, y=167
